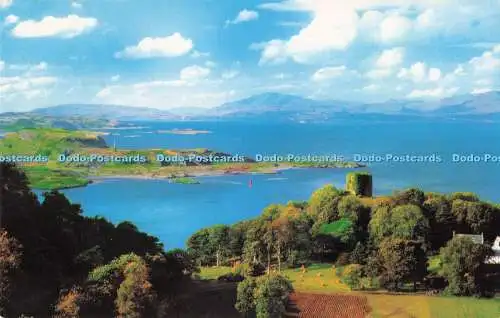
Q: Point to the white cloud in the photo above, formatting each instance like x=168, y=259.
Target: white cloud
x=194, y=73
x=386, y=63
x=371, y=87
x=333, y=28
x=379, y=73
x=5, y=4
x=419, y=72
x=395, y=28
x=166, y=94
x=115, y=78
x=244, y=16
x=438, y=92
x=327, y=73
x=210, y=64
x=434, y=74
x=76, y=5
x=64, y=27
x=230, y=74
x=197, y=54
x=170, y=46
x=11, y=19
x=2, y=65
x=24, y=84
x=42, y=66
x=489, y=62
x=273, y=52
x=482, y=90
x=390, y=58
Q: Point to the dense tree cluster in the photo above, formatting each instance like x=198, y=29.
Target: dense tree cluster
x=76, y=265
x=388, y=241
x=264, y=297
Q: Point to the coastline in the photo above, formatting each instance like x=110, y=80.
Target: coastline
x=275, y=171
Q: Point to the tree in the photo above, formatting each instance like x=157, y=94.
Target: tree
x=323, y=204
x=437, y=209
x=409, y=222
x=410, y=196
x=271, y=296
x=126, y=280
x=10, y=259
x=245, y=302
x=350, y=207
x=463, y=266
x=404, y=221
x=218, y=237
x=401, y=260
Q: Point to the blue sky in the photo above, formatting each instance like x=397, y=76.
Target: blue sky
x=202, y=53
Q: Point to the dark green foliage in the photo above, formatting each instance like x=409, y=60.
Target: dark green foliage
x=404, y=221
x=401, y=261
x=441, y=220
x=10, y=259
x=60, y=246
x=463, y=266
x=266, y=296
x=245, y=302
x=466, y=196
x=359, y=183
x=409, y=196
x=323, y=204
x=271, y=296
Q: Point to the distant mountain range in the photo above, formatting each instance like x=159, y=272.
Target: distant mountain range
x=118, y=112
x=283, y=107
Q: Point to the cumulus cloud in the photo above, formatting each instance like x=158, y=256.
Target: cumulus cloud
x=194, y=73
x=333, y=28
x=420, y=72
x=390, y=58
x=25, y=86
x=386, y=63
x=244, y=16
x=63, y=27
x=2, y=65
x=42, y=66
x=197, y=54
x=395, y=21
x=5, y=4
x=438, y=92
x=482, y=90
x=327, y=73
x=170, y=46
x=76, y=5
x=11, y=19
x=395, y=28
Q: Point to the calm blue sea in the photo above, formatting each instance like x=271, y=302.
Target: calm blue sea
x=174, y=211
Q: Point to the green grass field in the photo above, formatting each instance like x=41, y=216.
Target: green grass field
x=322, y=279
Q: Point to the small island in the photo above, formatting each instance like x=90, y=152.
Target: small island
x=187, y=131
x=59, y=159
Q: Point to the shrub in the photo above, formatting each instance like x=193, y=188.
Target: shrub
x=231, y=277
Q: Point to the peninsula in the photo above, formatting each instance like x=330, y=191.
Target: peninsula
x=59, y=158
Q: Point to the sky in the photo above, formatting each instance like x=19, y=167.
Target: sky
x=203, y=53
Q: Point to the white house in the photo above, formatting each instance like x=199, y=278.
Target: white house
x=495, y=259
x=479, y=239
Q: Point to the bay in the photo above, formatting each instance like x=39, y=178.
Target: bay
x=174, y=211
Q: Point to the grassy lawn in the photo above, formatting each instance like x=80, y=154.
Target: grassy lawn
x=207, y=273
x=403, y=306
x=316, y=278
x=321, y=279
